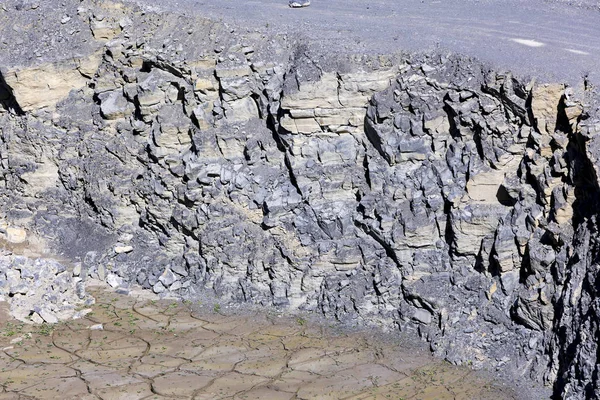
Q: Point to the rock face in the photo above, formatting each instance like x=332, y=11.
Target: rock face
x=415, y=192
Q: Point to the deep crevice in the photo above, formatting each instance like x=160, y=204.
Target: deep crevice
x=386, y=247
x=7, y=98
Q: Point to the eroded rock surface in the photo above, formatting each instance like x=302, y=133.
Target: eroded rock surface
x=421, y=192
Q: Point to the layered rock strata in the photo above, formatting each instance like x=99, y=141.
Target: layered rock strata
x=430, y=192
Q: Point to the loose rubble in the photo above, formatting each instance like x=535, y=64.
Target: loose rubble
x=42, y=290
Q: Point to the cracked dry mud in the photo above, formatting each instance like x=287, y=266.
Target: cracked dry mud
x=159, y=349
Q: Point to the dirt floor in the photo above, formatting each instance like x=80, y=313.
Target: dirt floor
x=136, y=347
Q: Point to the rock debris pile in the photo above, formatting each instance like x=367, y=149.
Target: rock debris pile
x=421, y=192
x=42, y=290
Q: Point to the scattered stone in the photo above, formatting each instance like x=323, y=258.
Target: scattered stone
x=16, y=235
x=423, y=316
x=48, y=316
x=82, y=313
x=77, y=269
x=101, y=271
x=123, y=291
x=36, y=319
x=159, y=288
x=123, y=249
x=299, y=3
x=167, y=278
x=114, y=280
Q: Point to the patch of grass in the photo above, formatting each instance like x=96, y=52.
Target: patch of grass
x=9, y=333
x=46, y=329
x=131, y=318
x=12, y=329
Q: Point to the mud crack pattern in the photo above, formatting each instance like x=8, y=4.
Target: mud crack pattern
x=132, y=347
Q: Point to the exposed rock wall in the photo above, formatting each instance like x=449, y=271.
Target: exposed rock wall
x=415, y=192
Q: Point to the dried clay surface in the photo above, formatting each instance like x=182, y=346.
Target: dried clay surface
x=138, y=347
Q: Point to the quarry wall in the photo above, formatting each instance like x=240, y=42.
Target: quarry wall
x=419, y=192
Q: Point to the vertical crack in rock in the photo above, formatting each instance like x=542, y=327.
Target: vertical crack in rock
x=7, y=98
x=574, y=344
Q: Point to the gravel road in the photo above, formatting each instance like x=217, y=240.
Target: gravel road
x=548, y=39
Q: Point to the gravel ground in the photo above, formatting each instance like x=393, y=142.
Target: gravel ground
x=587, y=4
x=548, y=40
